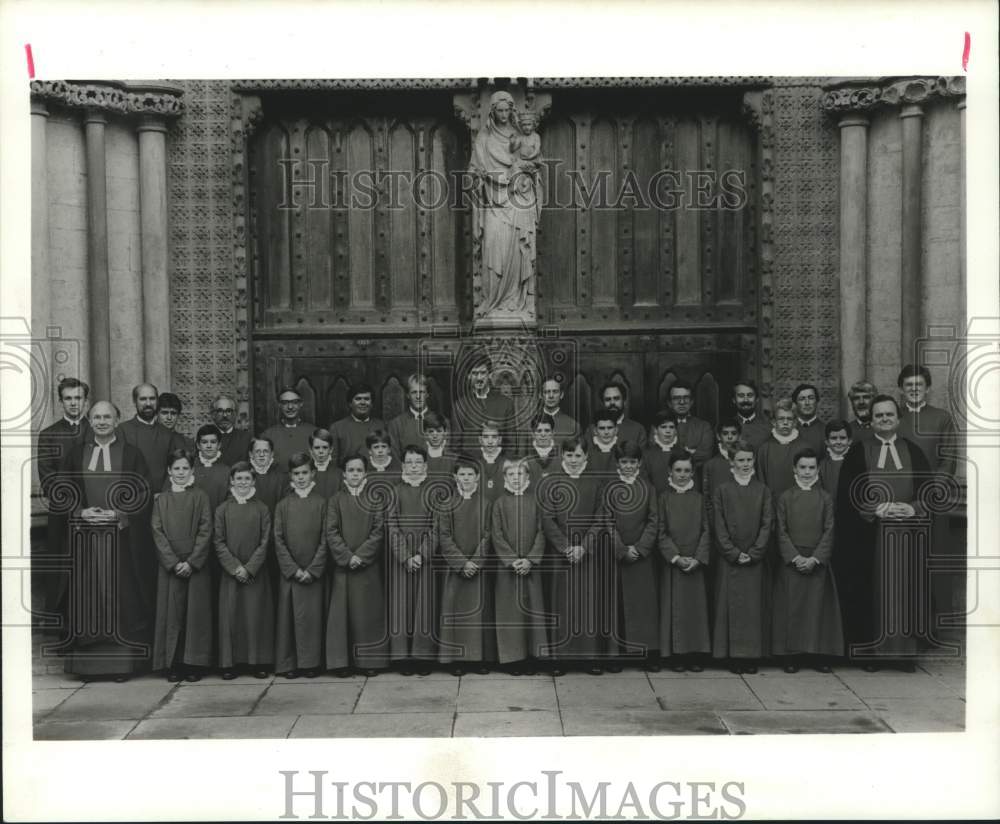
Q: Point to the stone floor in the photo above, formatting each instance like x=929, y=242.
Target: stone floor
x=714, y=702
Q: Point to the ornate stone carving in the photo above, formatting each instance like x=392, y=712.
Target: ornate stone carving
x=862, y=94
x=403, y=83
x=161, y=99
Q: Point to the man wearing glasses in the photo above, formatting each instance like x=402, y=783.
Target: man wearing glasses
x=235, y=444
x=291, y=433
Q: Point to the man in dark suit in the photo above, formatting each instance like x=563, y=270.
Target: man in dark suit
x=235, y=444
x=54, y=443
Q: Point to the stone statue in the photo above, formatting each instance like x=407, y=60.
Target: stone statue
x=505, y=166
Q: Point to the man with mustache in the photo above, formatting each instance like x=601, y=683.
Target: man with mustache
x=860, y=396
x=755, y=428
x=235, y=443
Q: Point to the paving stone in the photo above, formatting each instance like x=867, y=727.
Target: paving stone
x=710, y=671
x=375, y=725
x=434, y=675
x=49, y=730
x=503, y=724
x=408, y=696
x=103, y=701
x=211, y=701
x=272, y=726
x=43, y=701
x=56, y=680
x=605, y=693
x=889, y=684
x=513, y=695
x=705, y=694
x=771, y=722
x=802, y=691
x=944, y=667
x=640, y=722
x=920, y=715
x=309, y=699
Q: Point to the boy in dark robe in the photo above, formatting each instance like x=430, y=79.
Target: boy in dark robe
x=246, y=599
x=600, y=455
x=806, y=611
x=542, y=454
x=328, y=476
x=837, y=442
x=300, y=546
x=744, y=517
x=683, y=543
x=490, y=457
x=183, y=637
x=440, y=458
x=355, y=535
x=655, y=459
x=382, y=464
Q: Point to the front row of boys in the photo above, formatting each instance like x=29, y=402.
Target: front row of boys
x=525, y=562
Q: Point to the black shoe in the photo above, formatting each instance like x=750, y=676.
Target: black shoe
x=790, y=668
x=228, y=675
x=482, y=670
x=824, y=668
x=313, y=673
x=406, y=671
x=908, y=666
x=173, y=676
x=458, y=672
x=751, y=670
x=529, y=671
x=870, y=668
x=424, y=671
x=369, y=673
x=340, y=672
x=613, y=668
x=678, y=668
x=558, y=672
x=121, y=679
x=651, y=667
x=192, y=677
x=695, y=668
x=595, y=670
x=260, y=674
x=291, y=674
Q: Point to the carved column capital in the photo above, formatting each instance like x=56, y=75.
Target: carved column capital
x=861, y=95
x=112, y=96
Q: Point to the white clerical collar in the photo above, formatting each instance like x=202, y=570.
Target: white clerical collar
x=242, y=500
x=146, y=423
x=745, y=421
x=886, y=440
x=304, y=493
x=543, y=453
x=175, y=488
x=102, y=454
x=722, y=452
x=917, y=408
x=550, y=412
x=742, y=480
x=888, y=450
x=517, y=493
x=810, y=422
x=226, y=431
x=627, y=479
x=805, y=487
x=605, y=448
x=322, y=467
x=206, y=462
x=71, y=422
x=684, y=488
x=360, y=420
x=467, y=495
x=681, y=420
x=666, y=447
x=435, y=451
x=262, y=470
x=491, y=456
x=482, y=397
x=784, y=439
x=418, y=415
x=380, y=464
x=834, y=456
x=573, y=475
x=863, y=423
x=356, y=490
x=291, y=425
x=414, y=482
x=620, y=419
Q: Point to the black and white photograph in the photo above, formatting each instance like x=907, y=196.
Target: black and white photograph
x=579, y=413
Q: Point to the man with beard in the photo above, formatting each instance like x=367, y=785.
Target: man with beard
x=614, y=397
x=291, y=434
x=54, y=443
x=805, y=396
x=349, y=432
x=860, y=395
x=235, y=443
x=755, y=428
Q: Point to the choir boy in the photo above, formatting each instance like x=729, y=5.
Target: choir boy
x=270, y=482
x=805, y=396
x=543, y=454
x=321, y=447
x=602, y=458
x=717, y=470
x=210, y=473
x=440, y=458
x=655, y=460
x=382, y=463
x=490, y=456
x=838, y=441
x=807, y=618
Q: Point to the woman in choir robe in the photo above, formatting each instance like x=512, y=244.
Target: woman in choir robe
x=656, y=458
x=412, y=592
x=463, y=530
x=355, y=535
x=744, y=516
x=774, y=458
x=328, y=475
x=683, y=542
x=440, y=458
x=880, y=525
x=837, y=442
x=103, y=486
x=519, y=543
x=806, y=610
x=246, y=598
x=601, y=453
x=570, y=502
x=183, y=637
x=300, y=544
x=629, y=510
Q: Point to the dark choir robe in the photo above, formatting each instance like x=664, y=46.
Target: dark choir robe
x=412, y=596
x=490, y=475
x=463, y=529
x=54, y=443
x=520, y=599
x=755, y=430
x=571, y=517
x=328, y=481
x=385, y=475
x=540, y=466
x=185, y=628
x=213, y=479
x=697, y=437
x=442, y=467
x=628, y=430
x=744, y=518
x=602, y=461
x=288, y=440
x=107, y=565
x=829, y=474
x=931, y=430
x=812, y=435
x=349, y=436
x=806, y=609
x=774, y=464
x=299, y=543
x=271, y=486
x=471, y=412
x=861, y=431
x=864, y=549
x=246, y=611
x=655, y=466
x=235, y=446
x=566, y=426
x=405, y=429
x=683, y=531
x=631, y=516
x=355, y=625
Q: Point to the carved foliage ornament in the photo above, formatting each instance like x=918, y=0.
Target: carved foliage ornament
x=863, y=95
x=111, y=97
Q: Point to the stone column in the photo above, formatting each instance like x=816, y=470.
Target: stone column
x=853, y=248
x=911, y=282
x=97, y=254
x=961, y=197
x=41, y=305
x=155, y=282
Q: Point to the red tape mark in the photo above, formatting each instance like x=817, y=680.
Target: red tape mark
x=965, y=52
x=31, y=61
